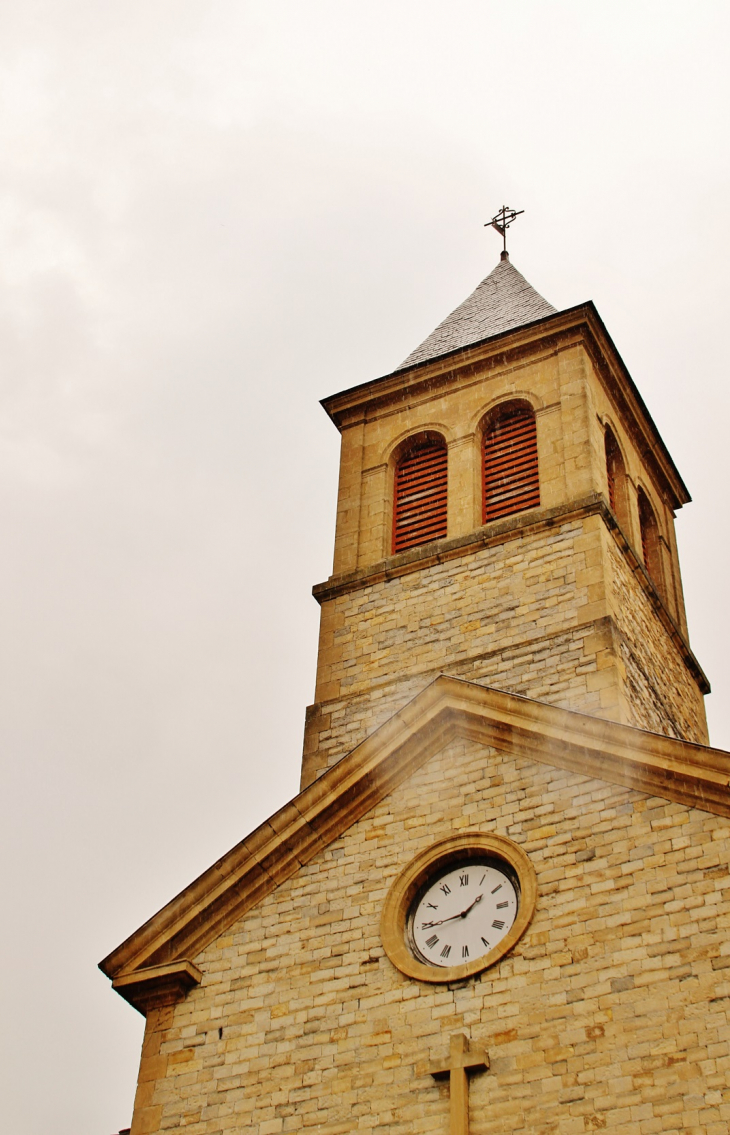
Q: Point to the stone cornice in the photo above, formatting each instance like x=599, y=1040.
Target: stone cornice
x=152, y=966
x=581, y=324
x=515, y=527
x=153, y=987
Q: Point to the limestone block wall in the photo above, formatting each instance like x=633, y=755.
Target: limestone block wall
x=523, y=588
x=603, y=412
x=660, y=693
x=524, y=615
x=454, y=405
x=612, y=1012
x=553, y=668
x=554, y=613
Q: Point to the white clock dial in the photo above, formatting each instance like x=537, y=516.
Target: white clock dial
x=463, y=914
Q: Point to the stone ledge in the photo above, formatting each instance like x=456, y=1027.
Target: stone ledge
x=153, y=987
x=441, y=551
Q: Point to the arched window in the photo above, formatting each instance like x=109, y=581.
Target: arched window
x=510, y=474
x=616, y=474
x=650, y=550
x=419, y=506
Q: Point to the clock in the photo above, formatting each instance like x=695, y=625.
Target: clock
x=458, y=907
x=464, y=912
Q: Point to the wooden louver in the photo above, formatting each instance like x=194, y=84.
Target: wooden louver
x=645, y=537
x=613, y=466
x=649, y=536
x=419, y=512
x=611, y=485
x=511, y=481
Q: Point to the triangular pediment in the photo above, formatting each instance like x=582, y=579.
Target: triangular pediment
x=154, y=965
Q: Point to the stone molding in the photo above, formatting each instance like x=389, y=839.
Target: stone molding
x=153, y=962
x=154, y=987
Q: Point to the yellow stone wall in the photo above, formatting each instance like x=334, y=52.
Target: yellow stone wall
x=550, y=608
x=659, y=693
x=518, y=616
x=553, y=382
x=603, y=413
x=612, y=1012
x=572, y=407
x=555, y=614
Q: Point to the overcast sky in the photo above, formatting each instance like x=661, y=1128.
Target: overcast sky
x=213, y=214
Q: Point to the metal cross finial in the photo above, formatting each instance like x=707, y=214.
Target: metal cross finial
x=501, y=222
x=461, y=1059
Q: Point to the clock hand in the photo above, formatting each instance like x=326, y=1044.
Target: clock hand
x=465, y=912
x=462, y=914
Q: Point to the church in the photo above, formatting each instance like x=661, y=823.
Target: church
x=500, y=901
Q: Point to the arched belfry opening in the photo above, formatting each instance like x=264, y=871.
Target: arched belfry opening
x=650, y=542
x=420, y=493
x=616, y=476
x=510, y=475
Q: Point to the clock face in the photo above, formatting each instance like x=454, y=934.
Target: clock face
x=463, y=913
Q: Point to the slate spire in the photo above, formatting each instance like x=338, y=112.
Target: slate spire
x=502, y=301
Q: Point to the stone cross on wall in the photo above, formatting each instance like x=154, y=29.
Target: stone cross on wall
x=461, y=1060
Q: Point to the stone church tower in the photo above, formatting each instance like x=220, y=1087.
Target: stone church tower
x=501, y=900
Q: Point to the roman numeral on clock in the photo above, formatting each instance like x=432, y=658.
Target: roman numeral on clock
x=465, y=951
x=484, y=940
x=432, y=940
x=463, y=880
x=497, y=888
x=498, y=925
x=446, y=951
x=502, y=905
x=446, y=888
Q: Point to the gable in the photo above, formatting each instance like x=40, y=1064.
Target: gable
x=299, y=1011
x=155, y=964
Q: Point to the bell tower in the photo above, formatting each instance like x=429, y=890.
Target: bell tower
x=505, y=515
x=494, y=901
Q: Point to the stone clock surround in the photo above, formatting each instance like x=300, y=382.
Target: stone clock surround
x=454, y=849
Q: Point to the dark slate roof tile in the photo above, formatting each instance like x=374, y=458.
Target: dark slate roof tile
x=502, y=301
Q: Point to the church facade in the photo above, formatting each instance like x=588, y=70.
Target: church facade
x=501, y=900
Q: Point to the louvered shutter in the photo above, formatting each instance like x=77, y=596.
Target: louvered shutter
x=645, y=544
x=511, y=482
x=650, y=542
x=648, y=530
x=419, y=514
x=611, y=486
x=611, y=463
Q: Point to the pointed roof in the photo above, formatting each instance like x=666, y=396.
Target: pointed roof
x=155, y=966
x=502, y=301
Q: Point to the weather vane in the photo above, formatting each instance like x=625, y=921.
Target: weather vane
x=501, y=222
